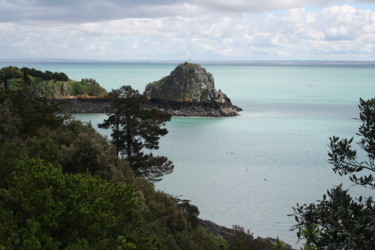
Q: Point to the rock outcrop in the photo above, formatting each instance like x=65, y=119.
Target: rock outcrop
x=82, y=105
x=228, y=234
x=189, y=91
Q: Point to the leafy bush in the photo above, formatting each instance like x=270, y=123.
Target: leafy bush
x=63, y=186
x=340, y=221
x=41, y=207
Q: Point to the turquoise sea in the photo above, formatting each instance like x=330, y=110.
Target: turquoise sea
x=252, y=169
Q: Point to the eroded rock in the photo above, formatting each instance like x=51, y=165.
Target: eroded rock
x=190, y=91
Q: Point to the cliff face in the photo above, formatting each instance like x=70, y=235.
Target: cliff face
x=190, y=90
x=71, y=88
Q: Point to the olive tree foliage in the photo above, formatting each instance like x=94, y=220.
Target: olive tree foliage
x=135, y=129
x=340, y=221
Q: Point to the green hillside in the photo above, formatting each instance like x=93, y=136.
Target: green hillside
x=63, y=186
x=52, y=84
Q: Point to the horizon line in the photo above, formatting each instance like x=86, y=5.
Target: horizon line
x=167, y=61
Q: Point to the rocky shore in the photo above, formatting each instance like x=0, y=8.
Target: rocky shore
x=102, y=105
x=82, y=105
x=204, y=109
x=227, y=233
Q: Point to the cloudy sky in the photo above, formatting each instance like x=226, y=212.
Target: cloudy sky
x=188, y=29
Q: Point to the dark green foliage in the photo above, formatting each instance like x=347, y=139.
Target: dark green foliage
x=242, y=240
x=165, y=219
x=9, y=157
x=30, y=113
x=344, y=158
x=190, y=211
x=44, y=208
x=203, y=239
x=162, y=216
x=279, y=244
x=340, y=221
x=59, y=76
x=85, y=150
x=62, y=185
x=8, y=73
x=47, y=75
x=10, y=121
x=337, y=222
x=135, y=128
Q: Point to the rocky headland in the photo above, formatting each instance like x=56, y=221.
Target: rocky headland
x=189, y=90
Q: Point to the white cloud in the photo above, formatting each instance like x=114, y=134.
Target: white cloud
x=337, y=32
x=101, y=10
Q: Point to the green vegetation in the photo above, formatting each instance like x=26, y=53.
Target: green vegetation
x=62, y=186
x=340, y=221
x=41, y=207
x=135, y=128
x=52, y=84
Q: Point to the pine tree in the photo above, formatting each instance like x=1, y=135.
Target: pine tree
x=135, y=128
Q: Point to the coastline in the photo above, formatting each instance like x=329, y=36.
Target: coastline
x=82, y=105
x=228, y=233
x=102, y=105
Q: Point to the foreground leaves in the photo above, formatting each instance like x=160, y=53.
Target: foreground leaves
x=340, y=221
x=43, y=207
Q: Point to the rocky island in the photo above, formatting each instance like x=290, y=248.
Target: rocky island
x=189, y=90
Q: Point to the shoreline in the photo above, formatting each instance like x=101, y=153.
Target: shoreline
x=228, y=233
x=188, y=109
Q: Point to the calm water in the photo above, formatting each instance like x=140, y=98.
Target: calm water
x=251, y=169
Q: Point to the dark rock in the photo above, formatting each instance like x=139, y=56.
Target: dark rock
x=217, y=230
x=83, y=105
x=65, y=89
x=207, y=109
x=189, y=91
x=102, y=105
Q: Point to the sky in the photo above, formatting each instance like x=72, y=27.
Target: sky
x=147, y=30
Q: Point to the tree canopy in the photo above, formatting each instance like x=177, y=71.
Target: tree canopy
x=8, y=73
x=340, y=221
x=41, y=207
x=62, y=186
x=136, y=129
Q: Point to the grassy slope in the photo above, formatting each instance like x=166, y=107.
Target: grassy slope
x=53, y=87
